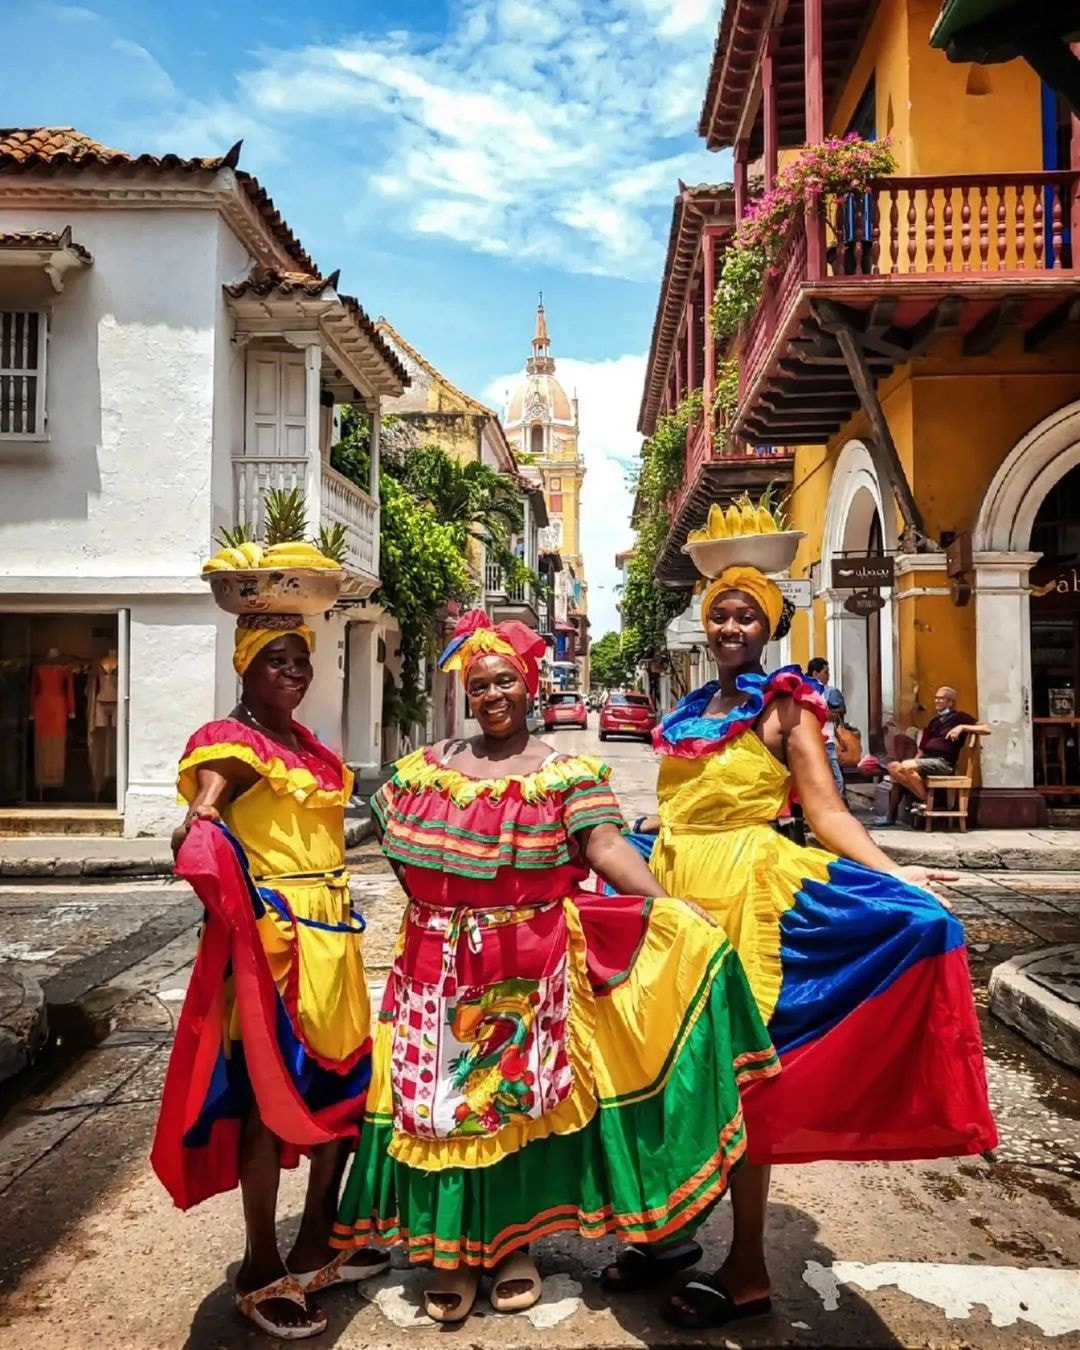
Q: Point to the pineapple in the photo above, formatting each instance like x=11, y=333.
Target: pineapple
x=239, y=534
x=333, y=543
x=286, y=517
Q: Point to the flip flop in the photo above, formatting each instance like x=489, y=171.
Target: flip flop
x=644, y=1267
x=461, y=1284
x=520, y=1266
x=286, y=1288
x=338, y=1271
x=712, y=1306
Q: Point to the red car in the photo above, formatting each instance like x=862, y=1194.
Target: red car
x=565, y=710
x=627, y=715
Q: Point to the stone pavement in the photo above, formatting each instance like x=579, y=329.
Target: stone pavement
x=1038, y=993
x=955, y=1253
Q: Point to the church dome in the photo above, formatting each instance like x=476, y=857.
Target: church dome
x=539, y=397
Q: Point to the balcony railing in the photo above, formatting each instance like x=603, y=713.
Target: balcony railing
x=342, y=502
x=494, y=580
x=701, y=449
x=495, y=585
x=957, y=229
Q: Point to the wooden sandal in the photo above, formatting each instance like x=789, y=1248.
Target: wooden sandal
x=462, y=1284
x=517, y=1267
x=288, y=1289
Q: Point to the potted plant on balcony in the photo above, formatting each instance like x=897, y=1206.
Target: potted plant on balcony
x=837, y=169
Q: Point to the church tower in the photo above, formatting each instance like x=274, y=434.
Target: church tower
x=542, y=426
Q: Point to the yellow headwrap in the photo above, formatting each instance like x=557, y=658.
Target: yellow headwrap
x=250, y=640
x=751, y=582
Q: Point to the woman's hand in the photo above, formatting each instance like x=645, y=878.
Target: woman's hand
x=196, y=813
x=924, y=878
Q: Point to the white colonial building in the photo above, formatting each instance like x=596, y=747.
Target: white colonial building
x=168, y=353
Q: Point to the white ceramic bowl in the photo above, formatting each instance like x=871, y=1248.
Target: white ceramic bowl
x=769, y=553
x=266, y=590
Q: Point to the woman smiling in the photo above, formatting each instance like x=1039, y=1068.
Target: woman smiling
x=546, y=1058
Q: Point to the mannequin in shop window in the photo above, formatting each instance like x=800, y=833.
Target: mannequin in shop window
x=102, y=699
x=52, y=706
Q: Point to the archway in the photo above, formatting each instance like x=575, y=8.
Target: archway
x=860, y=650
x=1003, y=558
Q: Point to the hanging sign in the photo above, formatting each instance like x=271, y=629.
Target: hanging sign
x=799, y=590
x=864, y=603
x=863, y=572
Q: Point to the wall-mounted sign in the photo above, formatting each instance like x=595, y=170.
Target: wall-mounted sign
x=799, y=590
x=1054, y=582
x=862, y=572
x=958, y=561
x=864, y=603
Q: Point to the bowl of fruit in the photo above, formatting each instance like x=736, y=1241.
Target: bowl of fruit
x=284, y=574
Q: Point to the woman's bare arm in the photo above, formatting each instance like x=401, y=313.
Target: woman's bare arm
x=618, y=862
x=216, y=784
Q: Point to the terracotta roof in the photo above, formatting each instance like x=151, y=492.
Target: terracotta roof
x=54, y=149
x=44, y=239
x=694, y=208
x=735, y=72
x=386, y=327
x=265, y=281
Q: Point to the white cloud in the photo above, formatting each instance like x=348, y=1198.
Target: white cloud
x=542, y=131
x=609, y=394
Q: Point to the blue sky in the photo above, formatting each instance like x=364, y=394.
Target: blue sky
x=452, y=157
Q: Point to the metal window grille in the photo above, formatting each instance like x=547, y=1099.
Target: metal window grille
x=22, y=374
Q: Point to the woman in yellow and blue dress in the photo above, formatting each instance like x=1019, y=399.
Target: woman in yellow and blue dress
x=546, y=1059
x=859, y=973
x=272, y=1052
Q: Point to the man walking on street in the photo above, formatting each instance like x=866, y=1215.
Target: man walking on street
x=939, y=749
x=818, y=670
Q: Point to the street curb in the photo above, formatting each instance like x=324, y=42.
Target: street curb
x=157, y=862
x=1020, y=997
x=24, y=1024
x=912, y=851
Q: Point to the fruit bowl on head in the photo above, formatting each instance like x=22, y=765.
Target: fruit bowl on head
x=769, y=553
x=267, y=590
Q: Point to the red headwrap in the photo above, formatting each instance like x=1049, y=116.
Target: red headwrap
x=476, y=636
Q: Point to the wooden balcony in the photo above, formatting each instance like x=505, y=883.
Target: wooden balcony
x=509, y=600
x=715, y=476
x=341, y=502
x=914, y=260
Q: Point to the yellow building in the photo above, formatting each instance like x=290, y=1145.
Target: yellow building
x=919, y=348
x=542, y=426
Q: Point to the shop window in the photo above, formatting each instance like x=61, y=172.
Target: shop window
x=59, y=709
x=23, y=335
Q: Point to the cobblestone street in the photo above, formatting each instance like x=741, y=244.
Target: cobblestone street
x=970, y=1253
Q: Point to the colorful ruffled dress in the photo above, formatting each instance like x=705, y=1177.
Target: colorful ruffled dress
x=861, y=978
x=546, y=1058
x=277, y=1008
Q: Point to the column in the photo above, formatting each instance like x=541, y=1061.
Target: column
x=313, y=432
x=814, y=71
x=1074, y=164
x=846, y=652
x=742, y=155
x=363, y=710
x=1003, y=665
x=769, y=109
x=374, y=450
x=691, y=351
x=710, y=338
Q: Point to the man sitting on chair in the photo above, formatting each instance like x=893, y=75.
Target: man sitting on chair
x=939, y=749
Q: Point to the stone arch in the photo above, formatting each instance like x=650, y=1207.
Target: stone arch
x=1001, y=542
x=855, y=501
x=1028, y=472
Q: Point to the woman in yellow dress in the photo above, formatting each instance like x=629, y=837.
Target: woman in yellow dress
x=272, y=1053
x=859, y=973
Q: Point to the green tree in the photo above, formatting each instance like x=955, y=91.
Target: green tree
x=476, y=501
x=607, y=663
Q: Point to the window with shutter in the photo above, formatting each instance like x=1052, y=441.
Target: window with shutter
x=22, y=374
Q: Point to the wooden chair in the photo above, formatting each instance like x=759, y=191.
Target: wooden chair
x=1051, y=751
x=956, y=788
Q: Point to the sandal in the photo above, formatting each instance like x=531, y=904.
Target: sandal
x=643, y=1267
x=712, y=1306
x=518, y=1266
x=286, y=1288
x=338, y=1271
x=462, y=1284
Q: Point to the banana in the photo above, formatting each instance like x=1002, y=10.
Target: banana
x=749, y=518
x=216, y=565
x=312, y=560
x=697, y=536
x=716, y=527
x=766, y=521
x=292, y=547
x=734, y=521
x=253, y=553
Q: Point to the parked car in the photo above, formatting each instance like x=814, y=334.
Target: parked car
x=565, y=710
x=627, y=715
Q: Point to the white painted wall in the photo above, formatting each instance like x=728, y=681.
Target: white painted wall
x=322, y=709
